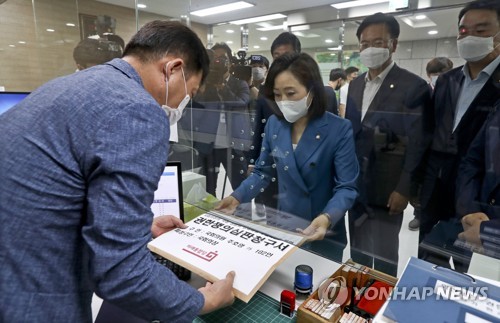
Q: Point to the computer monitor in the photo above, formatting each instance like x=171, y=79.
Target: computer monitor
x=168, y=198
x=10, y=99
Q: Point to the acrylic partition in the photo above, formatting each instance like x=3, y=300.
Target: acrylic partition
x=221, y=135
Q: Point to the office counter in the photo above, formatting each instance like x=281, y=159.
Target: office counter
x=282, y=278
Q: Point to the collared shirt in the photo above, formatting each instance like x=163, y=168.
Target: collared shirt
x=372, y=87
x=471, y=88
x=83, y=154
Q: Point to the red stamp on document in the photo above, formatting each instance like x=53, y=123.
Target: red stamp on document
x=198, y=252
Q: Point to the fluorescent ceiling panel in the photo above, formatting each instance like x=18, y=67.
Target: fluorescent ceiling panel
x=269, y=28
x=258, y=19
x=357, y=3
x=220, y=9
x=418, y=23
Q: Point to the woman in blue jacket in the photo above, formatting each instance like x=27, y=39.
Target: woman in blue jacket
x=311, y=153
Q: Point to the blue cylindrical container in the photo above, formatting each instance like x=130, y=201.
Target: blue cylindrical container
x=303, y=279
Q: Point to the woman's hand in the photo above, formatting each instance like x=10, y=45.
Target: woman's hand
x=228, y=205
x=318, y=228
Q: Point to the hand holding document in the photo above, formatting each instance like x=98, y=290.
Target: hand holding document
x=212, y=246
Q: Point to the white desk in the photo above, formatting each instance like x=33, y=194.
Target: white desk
x=485, y=267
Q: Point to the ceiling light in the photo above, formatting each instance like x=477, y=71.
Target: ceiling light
x=432, y=32
x=257, y=19
x=229, y=31
x=263, y=38
x=299, y=28
x=229, y=42
x=328, y=41
x=21, y=42
x=335, y=48
x=305, y=35
x=418, y=23
x=69, y=24
x=12, y=45
x=278, y=27
x=220, y=9
x=141, y=6
x=357, y=3
x=420, y=17
x=50, y=30
x=256, y=47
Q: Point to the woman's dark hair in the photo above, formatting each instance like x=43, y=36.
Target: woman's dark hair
x=305, y=69
x=159, y=38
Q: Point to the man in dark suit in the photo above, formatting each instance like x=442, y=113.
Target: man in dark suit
x=478, y=187
x=385, y=107
x=463, y=97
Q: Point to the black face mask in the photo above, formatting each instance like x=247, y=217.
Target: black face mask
x=338, y=87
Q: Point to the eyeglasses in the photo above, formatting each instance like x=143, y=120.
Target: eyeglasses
x=376, y=43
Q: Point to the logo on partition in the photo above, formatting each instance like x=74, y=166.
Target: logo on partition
x=198, y=252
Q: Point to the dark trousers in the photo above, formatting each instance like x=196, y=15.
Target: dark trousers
x=437, y=197
x=439, y=206
x=374, y=238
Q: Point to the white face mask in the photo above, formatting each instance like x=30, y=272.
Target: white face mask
x=174, y=115
x=473, y=48
x=258, y=73
x=293, y=110
x=374, y=57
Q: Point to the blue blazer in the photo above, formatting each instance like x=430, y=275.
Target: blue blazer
x=319, y=176
x=262, y=109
